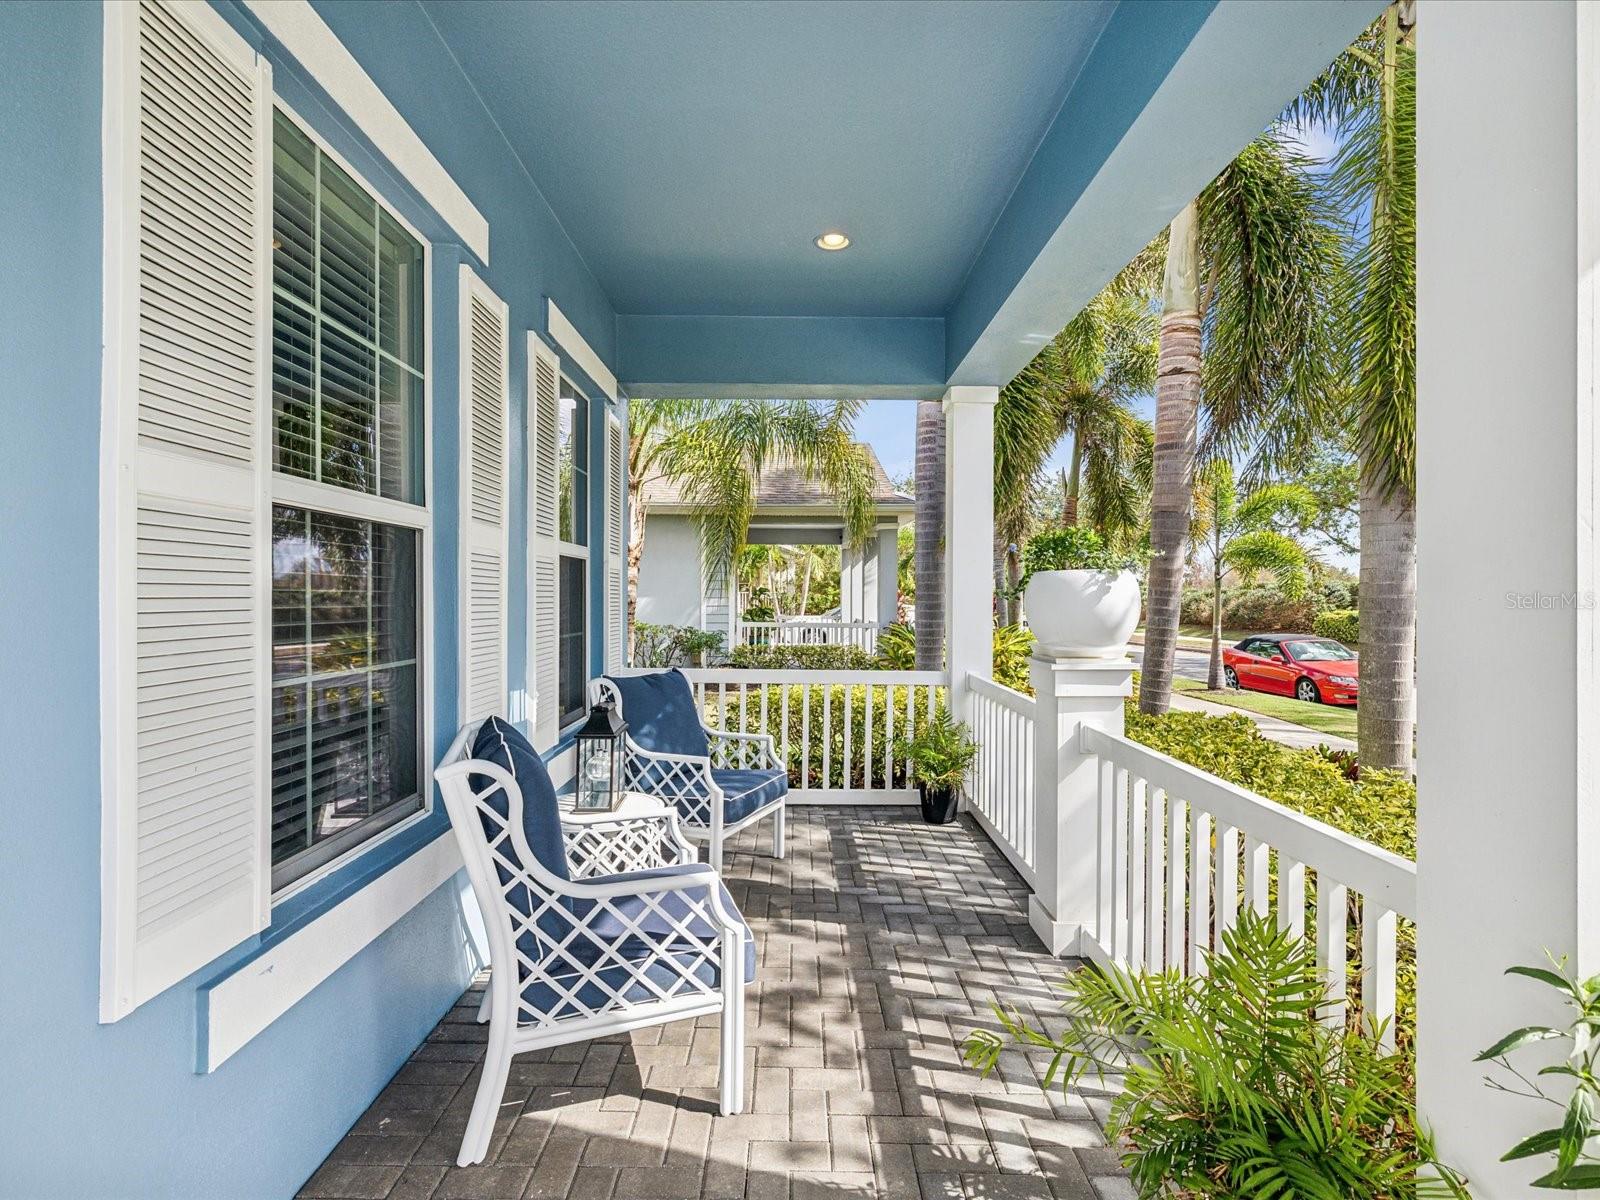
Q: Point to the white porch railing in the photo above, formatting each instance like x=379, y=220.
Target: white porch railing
x=1002, y=794
x=806, y=631
x=1178, y=853
x=835, y=729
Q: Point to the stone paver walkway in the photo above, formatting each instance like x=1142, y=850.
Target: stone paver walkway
x=882, y=942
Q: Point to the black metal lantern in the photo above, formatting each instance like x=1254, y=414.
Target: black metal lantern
x=600, y=751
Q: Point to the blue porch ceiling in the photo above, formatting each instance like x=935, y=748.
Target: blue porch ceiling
x=693, y=151
x=995, y=163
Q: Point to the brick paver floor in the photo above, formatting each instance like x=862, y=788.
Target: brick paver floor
x=882, y=942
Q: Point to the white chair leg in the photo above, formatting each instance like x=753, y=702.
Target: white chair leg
x=777, y=830
x=716, y=854
x=491, y=1090
x=485, y=1005
x=730, y=1069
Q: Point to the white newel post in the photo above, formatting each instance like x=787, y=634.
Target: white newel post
x=968, y=539
x=888, y=576
x=1070, y=693
x=1508, y=546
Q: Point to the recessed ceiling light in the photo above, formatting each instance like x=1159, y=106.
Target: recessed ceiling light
x=832, y=241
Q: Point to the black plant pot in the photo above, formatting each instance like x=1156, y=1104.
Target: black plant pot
x=938, y=804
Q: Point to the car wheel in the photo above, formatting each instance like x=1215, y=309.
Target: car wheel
x=1307, y=691
x=1231, y=677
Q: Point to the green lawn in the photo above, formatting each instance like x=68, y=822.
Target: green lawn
x=1203, y=633
x=1324, y=718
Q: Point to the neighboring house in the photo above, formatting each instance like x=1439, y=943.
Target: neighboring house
x=792, y=509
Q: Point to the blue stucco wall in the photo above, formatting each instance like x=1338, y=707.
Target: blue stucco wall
x=92, y=1110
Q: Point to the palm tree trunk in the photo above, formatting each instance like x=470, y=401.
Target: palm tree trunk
x=1214, y=671
x=1388, y=625
x=929, y=519
x=1171, y=499
x=1071, y=482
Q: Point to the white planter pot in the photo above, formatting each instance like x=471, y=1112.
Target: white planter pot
x=1082, y=614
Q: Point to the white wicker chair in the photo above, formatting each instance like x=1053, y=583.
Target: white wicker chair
x=739, y=781
x=638, y=936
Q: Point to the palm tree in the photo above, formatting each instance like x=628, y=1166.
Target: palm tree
x=1080, y=386
x=1245, y=535
x=1368, y=96
x=928, y=519
x=716, y=450
x=1250, y=264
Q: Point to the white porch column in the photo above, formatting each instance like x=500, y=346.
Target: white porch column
x=1508, y=743
x=1070, y=693
x=888, y=576
x=968, y=538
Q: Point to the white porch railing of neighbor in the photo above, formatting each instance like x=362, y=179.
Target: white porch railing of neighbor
x=1179, y=853
x=836, y=729
x=809, y=632
x=1001, y=794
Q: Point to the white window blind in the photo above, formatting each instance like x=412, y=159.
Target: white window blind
x=544, y=565
x=185, y=532
x=485, y=403
x=615, y=550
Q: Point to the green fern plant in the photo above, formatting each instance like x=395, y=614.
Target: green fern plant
x=1232, y=1086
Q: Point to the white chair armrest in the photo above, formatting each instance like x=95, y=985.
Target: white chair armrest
x=761, y=741
x=688, y=877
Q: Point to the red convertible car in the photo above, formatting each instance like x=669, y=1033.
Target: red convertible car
x=1318, y=670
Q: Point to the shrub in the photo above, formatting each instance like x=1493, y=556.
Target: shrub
x=1574, y=1168
x=1334, y=593
x=1070, y=548
x=897, y=651
x=815, y=718
x=1012, y=646
x=1230, y=1085
x=672, y=645
x=1265, y=610
x=1340, y=624
x=803, y=658
x=897, y=647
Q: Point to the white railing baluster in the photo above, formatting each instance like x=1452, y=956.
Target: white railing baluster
x=849, y=767
x=1155, y=878
x=1137, y=903
x=1333, y=900
x=827, y=736
x=1378, y=937
x=1177, y=887
x=1199, y=889
x=805, y=735
x=1120, y=920
x=1291, y=895
x=866, y=751
x=1227, y=881
x=1255, y=875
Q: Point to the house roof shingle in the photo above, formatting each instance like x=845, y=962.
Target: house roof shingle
x=783, y=484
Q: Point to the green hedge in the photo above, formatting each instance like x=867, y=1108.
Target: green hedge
x=1340, y=624
x=729, y=714
x=803, y=658
x=1380, y=807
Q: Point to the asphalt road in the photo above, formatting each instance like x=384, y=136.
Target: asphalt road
x=1191, y=664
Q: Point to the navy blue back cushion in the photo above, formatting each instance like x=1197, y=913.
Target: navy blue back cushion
x=501, y=744
x=661, y=713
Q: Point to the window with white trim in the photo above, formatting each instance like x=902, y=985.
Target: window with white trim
x=573, y=447
x=349, y=510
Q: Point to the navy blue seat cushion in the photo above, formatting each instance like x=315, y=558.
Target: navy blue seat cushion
x=658, y=942
x=744, y=791
x=661, y=713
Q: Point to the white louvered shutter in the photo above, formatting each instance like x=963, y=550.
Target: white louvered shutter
x=185, y=543
x=616, y=550
x=485, y=405
x=544, y=560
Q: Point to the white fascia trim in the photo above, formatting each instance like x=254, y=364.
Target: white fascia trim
x=566, y=336
x=240, y=1005
x=318, y=49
